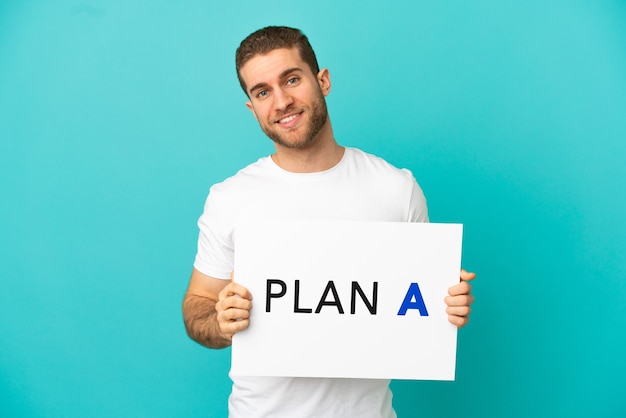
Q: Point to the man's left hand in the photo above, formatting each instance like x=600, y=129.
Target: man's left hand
x=460, y=300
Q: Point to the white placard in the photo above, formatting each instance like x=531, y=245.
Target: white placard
x=310, y=319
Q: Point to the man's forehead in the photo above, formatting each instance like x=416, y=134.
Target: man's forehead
x=264, y=67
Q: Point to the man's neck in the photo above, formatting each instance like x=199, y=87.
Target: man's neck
x=323, y=154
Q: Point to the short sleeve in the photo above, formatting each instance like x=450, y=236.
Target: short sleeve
x=215, y=253
x=418, y=211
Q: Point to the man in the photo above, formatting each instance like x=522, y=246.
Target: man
x=309, y=177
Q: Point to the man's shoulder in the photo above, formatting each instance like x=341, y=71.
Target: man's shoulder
x=246, y=177
x=375, y=164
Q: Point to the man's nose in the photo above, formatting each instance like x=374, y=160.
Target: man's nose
x=282, y=99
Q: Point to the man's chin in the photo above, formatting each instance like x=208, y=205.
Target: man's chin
x=292, y=144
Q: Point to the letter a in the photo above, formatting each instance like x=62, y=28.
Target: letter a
x=413, y=300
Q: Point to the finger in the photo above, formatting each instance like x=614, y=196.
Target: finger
x=233, y=314
x=233, y=302
x=458, y=310
x=230, y=328
x=233, y=320
x=466, y=276
x=463, y=288
x=459, y=321
x=232, y=289
x=461, y=300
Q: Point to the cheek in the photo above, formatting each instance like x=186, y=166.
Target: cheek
x=261, y=112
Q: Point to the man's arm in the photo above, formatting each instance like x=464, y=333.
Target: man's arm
x=215, y=309
x=460, y=300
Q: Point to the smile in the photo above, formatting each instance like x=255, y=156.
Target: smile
x=287, y=120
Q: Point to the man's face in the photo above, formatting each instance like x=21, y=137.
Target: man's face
x=286, y=97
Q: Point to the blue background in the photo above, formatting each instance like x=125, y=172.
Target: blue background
x=117, y=116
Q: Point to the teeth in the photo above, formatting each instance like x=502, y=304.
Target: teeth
x=287, y=119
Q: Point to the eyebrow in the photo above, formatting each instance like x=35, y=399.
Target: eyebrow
x=282, y=75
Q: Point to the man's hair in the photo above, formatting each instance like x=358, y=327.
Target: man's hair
x=270, y=38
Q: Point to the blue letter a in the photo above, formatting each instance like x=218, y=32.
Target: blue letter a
x=413, y=300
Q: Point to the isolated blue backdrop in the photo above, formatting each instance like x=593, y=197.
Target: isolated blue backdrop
x=117, y=116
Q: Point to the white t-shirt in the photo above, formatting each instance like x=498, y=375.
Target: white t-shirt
x=360, y=187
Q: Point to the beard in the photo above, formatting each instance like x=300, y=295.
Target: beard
x=318, y=116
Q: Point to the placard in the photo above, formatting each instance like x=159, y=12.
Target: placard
x=347, y=299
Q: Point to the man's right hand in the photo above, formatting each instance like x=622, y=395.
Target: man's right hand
x=214, y=309
x=233, y=309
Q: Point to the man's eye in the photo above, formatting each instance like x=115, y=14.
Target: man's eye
x=261, y=94
x=292, y=80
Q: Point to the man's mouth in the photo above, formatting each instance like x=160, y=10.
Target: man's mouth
x=289, y=120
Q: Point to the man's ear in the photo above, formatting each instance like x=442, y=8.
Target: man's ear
x=251, y=109
x=323, y=78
